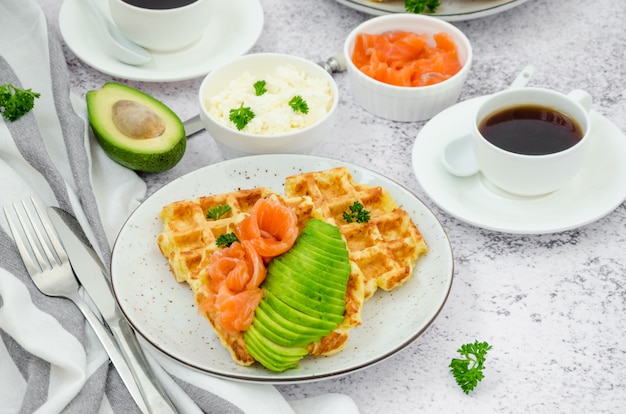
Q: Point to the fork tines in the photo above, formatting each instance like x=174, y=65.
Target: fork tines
x=37, y=254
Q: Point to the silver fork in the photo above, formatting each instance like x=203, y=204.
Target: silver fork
x=48, y=265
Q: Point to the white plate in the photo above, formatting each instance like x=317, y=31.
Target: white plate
x=233, y=29
x=163, y=311
x=450, y=10
x=597, y=190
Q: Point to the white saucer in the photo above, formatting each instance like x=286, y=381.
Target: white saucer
x=597, y=190
x=232, y=30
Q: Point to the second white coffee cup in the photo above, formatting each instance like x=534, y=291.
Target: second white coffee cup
x=529, y=173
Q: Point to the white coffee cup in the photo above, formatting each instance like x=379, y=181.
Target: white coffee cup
x=162, y=30
x=532, y=175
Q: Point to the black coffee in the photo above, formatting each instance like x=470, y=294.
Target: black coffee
x=531, y=130
x=159, y=4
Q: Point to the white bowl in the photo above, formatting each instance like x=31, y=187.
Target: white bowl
x=234, y=143
x=402, y=103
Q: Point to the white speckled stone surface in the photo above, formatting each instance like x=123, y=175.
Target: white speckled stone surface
x=553, y=306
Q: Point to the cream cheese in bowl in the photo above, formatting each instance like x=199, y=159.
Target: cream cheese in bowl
x=273, y=113
x=268, y=103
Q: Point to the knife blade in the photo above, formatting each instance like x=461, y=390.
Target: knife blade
x=193, y=125
x=92, y=274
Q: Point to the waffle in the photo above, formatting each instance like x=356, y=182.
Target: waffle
x=382, y=251
x=188, y=239
x=385, y=249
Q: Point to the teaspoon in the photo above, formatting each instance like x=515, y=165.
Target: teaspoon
x=119, y=45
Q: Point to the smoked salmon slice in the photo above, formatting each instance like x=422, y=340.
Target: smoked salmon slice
x=236, y=272
x=239, y=266
x=236, y=310
x=272, y=228
x=403, y=58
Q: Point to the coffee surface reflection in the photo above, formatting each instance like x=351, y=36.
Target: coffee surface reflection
x=159, y=4
x=531, y=130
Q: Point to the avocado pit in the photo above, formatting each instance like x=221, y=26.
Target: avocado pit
x=136, y=120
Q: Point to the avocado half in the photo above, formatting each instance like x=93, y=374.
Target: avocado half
x=134, y=129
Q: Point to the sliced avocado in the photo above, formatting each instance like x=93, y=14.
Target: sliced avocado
x=134, y=129
x=309, y=303
x=324, y=227
x=325, y=230
x=317, y=244
x=296, y=316
x=323, y=254
x=295, y=328
x=305, y=272
x=306, y=286
x=329, y=272
x=273, y=356
x=268, y=325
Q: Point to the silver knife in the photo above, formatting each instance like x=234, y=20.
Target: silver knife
x=92, y=274
x=193, y=125
x=334, y=64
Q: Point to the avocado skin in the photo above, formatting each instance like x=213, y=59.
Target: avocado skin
x=149, y=163
x=297, y=309
x=150, y=160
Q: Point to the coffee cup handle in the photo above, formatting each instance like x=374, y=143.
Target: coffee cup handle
x=582, y=97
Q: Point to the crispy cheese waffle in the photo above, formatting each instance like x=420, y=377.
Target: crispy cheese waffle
x=189, y=238
x=382, y=251
x=386, y=248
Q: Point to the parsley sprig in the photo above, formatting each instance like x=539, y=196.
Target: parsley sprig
x=215, y=213
x=356, y=213
x=241, y=116
x=15, y=102
x=468, y=372
x=420, y=6
x=226, y=239
x=299, y=105
x=259, y=87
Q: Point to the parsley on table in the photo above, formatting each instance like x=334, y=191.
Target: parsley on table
x=15, y=102
x=419, y=6
x=241, y=116
x=215, y=213
x=468, y=372
x=299, y=105
x=259, y=87
x=226, y=239
x=357, y=213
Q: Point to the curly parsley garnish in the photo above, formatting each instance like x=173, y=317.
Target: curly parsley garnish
x=420, y=6
x=15, y=102
x=357, y=213
x=241, y=116
x=469, y=371
x=299, y=105
x=226, y=239
x=259, y=87
x=215, y=213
